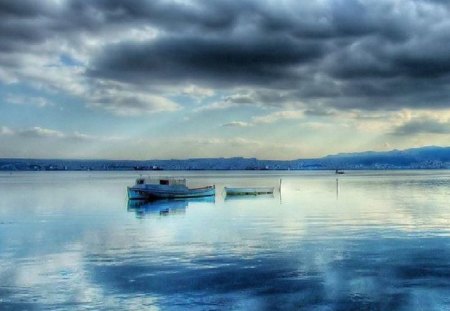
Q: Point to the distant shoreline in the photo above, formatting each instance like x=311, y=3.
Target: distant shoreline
x=424, y=158
x=227, y=170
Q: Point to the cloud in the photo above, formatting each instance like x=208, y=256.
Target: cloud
x=39, y=102
x=236, y=124
x=37, y=132
x=44, y=142
x=50, y=45
x=333, y=54
x=277, y=116
x=258, y=98
x=268, y=118
x=240, y=98
x=6, y=131
x=347, y=54
x=422, y=126
x=320, y=112
x=219, y=60
x=123, y=102
x=197, y=92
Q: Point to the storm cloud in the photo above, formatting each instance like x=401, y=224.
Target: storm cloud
x=334, y=54
x=223, y=61
x=423, y=126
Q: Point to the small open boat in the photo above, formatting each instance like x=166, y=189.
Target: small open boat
x=166, y=188
x=248, y=190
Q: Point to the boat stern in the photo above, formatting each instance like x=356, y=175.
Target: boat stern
x=135, y=194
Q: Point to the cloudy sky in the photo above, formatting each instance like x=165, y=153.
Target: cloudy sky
x=129, y=79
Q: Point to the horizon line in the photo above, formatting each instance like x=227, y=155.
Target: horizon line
x=232, y=157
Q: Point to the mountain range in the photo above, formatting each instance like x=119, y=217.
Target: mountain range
x=431, y=157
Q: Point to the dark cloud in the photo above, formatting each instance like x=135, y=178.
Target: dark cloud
x=22, y=9
x=214, y=15
x=333, y=54
x=422, y=126
x=229, y=61
x=320, y=112
x=373, y=57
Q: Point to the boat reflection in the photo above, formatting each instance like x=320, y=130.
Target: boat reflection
x=164, y=207
x=249, y=197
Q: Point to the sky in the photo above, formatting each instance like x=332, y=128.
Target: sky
x=284, y=79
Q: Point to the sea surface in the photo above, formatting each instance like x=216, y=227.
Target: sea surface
x=365, y=240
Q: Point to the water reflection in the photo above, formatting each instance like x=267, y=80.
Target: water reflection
x=70, y=243
x=337, y=188
x=164, y=207
x=292, y=278
x=259, y=197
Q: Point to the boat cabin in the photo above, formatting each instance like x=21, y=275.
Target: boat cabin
x=161, y=181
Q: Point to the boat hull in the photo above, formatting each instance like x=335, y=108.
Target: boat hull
x=249, y=191
x=141, y=193
x=135, y=194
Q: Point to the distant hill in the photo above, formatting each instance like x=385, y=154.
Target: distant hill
x=417, y=158
x=426, y=157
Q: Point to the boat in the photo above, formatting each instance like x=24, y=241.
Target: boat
x=339, y=172
x=248, y=190
x=166, y=188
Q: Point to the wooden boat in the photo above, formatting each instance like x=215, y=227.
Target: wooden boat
x=248, y=190
x=166, y=188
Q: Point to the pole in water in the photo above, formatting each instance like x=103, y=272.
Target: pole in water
x=337, y=188
x=280, y=190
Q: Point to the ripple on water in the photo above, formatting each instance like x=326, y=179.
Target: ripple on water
x=376, y=241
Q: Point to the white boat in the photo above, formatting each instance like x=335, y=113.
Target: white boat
x=248, y=190
x=166, y=188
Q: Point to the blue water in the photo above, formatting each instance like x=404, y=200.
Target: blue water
x=367, y=241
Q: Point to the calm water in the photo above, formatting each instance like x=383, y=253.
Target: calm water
x=369, y=241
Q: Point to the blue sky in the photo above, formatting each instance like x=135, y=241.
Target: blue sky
x=178, y=79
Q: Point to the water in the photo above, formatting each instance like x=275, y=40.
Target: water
x=368, y=241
